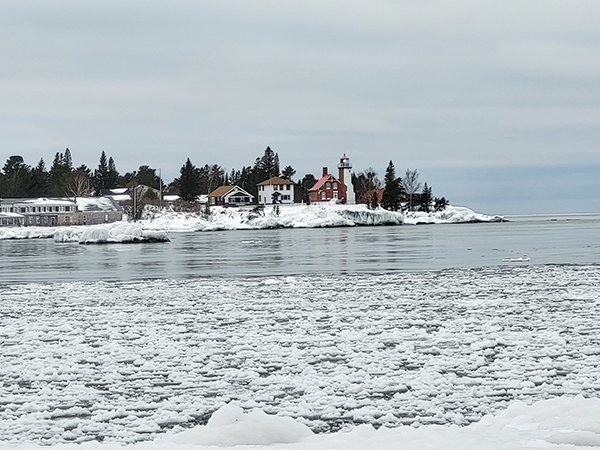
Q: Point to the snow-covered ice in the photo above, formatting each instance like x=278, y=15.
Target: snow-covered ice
x=112, y=233
x=130, y=361
x=289, y=216
x=303, y=216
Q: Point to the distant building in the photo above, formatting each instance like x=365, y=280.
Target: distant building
x=327, y=188
x=331, y=188
x=230, y=196
x=276, y=190
x=59, y=211
x=345, y=171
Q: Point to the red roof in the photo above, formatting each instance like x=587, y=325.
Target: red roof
x=322, y=181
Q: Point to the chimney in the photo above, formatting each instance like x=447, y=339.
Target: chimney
x=324, y=171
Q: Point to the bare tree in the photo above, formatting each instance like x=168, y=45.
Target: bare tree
x=411, y=185
x=80, y=184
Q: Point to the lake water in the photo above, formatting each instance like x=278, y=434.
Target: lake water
x=524, y=240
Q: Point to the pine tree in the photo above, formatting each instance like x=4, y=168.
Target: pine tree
x=189, y=182
x=112, y=177
x=426, y=198
x=101, y=175
x=287, y=173
x=17, y=175
x=392, y=193
x=39, y=180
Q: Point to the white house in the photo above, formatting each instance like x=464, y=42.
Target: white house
x=275, y=190
x=230, y=196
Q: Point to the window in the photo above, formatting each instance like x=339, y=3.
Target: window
x=328, y=185
x=323, y=195
x=335, y=186
x=68, y=219
x=247, y=199
x=288, y=187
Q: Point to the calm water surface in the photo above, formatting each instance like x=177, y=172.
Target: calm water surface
x=525, y=240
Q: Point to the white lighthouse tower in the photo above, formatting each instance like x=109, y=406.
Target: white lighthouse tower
x=345, y=168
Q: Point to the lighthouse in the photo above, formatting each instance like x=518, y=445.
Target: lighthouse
x=345, y=168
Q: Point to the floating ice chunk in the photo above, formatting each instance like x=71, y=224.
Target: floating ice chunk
x=121, y=232
x=229, y=425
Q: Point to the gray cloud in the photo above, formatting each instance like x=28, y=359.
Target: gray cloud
x=428, y=84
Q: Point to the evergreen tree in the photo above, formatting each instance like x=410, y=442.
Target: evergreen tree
x=147, y=176
x=61, y=173
x=268, y=165
x=39, y=180
x=440, y=204
x=112, y=177
x=101, y=175
x=304, y=186
x=393, y=189
x=17, y=177
x=189, y=182
x=426, y=198
x=287, y=173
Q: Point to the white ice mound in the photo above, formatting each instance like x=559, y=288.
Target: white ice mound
x=286, y=216
x=26, y=233
x=230, y=425
x=451, y=214
x=120, y=232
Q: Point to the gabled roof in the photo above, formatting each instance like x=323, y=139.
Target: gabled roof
x=224, y=190
x=323, y=180
x=221, y=191
x=275, y=180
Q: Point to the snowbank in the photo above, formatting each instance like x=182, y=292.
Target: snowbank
x=303, y=216
x=26, y=232
x=229, y=425
x=558, y=424
x=117, y=232
x=156, y=222
x=452, y=214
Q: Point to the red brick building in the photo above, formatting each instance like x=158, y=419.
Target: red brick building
x=327, y=188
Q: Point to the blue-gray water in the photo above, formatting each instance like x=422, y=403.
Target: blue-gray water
x=524, y=240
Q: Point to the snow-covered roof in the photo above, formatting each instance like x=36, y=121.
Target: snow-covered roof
x=43, y=201
x=95, y=204
x=8, y=215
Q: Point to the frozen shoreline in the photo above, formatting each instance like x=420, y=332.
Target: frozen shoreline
x=158, y=222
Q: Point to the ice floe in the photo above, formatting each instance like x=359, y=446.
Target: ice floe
x=128, y=361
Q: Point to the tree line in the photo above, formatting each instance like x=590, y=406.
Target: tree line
x=17, y=179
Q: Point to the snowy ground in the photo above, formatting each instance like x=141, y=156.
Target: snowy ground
x=131, y=361
x=157, y=222
x=303, y=216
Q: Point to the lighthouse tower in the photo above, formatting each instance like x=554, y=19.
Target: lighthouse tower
x=345, y=168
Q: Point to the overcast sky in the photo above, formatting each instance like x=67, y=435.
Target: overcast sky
x=496, y=103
